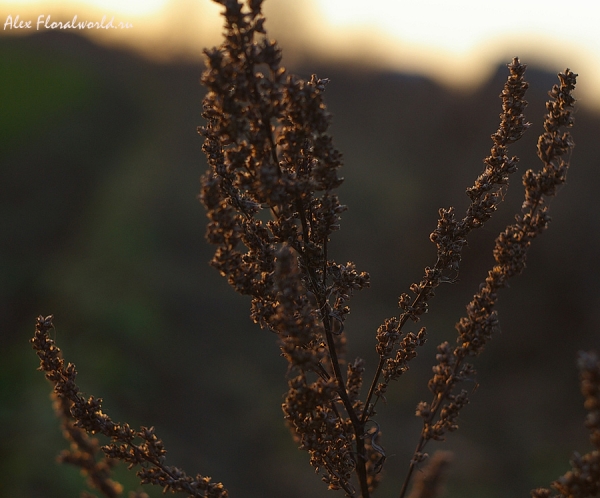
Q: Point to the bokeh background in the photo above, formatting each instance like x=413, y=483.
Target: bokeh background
x=100, y=165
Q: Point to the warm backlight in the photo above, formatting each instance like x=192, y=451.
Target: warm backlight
x=458, y=42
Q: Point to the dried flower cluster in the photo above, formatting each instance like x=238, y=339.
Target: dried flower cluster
x=82, y=416
x=271, y=201
x=270, y=157
x=584, y=477
x=450, y=235
x=481, y=322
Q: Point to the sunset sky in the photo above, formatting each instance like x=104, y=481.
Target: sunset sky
x=458, y=42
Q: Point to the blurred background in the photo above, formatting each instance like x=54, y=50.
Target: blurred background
x=100, y=165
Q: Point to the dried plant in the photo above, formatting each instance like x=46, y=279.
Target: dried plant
x=584, y=477
x=271, y=201
x=82, y=416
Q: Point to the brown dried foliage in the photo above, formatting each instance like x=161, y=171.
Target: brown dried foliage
x=271, y=201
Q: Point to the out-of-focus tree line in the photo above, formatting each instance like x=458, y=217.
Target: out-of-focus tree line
x=100, y=164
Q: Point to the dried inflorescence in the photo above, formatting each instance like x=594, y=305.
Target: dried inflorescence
x=270, y=196
x=481, y=322
x=310, y=411
x=82, y=416
x=583, y=479
x=450, y=235
x=269, y=153
x=85, y=451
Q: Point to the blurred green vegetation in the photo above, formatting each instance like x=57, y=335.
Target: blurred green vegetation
x=29, y=106
x=100, y=165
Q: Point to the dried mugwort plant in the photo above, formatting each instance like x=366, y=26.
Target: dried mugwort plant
x=271, y=201
x=83, y=418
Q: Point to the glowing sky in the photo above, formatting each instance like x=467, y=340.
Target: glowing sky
x=458, y=42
